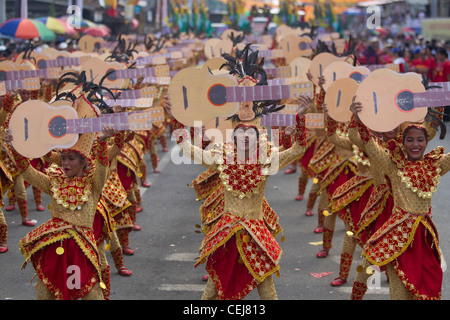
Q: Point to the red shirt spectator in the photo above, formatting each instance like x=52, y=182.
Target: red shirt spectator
x=421, y=64
x=441, y=71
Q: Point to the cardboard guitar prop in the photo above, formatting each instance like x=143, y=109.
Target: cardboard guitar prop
x=294, y=46
x=341, y=69
x=339, y=97
x=27, y=84
x=313, y=120
x=294, y=73
x=341, y=83
x=196, y=95
x=390, y=98
x=96, y=69
x=38, y=127
x=319, y=63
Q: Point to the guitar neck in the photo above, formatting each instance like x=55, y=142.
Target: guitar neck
x=431, y=99
x=142, y=72
x=29, y=84
x=313, y=120
x=60, y=62
x=268, y=92
x=24, y=74
x=282, y=72
x=278, y=119
x=119, y=121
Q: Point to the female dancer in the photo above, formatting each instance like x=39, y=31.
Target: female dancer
x=407, y=243
x=67, y=241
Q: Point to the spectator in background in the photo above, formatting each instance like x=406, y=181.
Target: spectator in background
x=441, y=71
x=398, y=58
x=421, y=64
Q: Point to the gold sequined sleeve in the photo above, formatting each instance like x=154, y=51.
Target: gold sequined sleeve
x=286, y=157
x=101, y=167
x=207, y=158
x=445, y=164
x=334, y=136
x=37, y=179
x=377, y=154
x=353, y=133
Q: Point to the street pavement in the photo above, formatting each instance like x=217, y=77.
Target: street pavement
x=167, y=245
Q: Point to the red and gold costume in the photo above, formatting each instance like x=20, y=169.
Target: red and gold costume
x=67, y=239
x=239, y=250
x=340, y=167
x=407, y=243
x=129, y=170
x=349, y=200
x=318, y=165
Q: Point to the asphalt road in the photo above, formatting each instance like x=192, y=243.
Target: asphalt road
x=165, y=248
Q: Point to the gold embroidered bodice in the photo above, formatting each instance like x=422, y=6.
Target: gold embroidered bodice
x=88, y=191
x=244, y=198
x=413, y=182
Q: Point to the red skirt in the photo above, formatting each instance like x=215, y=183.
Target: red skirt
x=69, y=276
x=230, y=275
x=419, y=267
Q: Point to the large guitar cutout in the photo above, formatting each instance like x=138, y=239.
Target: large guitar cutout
x=294, y=46
x=341, y=69
x=319, y=63
x=38, y=127
x=339, y=97
x=197, y=95
x=190, y=91
x=388, y=99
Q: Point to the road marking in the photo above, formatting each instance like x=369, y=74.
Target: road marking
x=182, y=257
x=182, y=287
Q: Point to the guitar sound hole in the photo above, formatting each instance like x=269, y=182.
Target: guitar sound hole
x=217, y=95
x=405, y=100
x=303, y=46
x=57, y=127
x=112, y=76
x=42, y=64
x=356, y=76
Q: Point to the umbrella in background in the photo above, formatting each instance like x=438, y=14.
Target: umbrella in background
x=27, y=29
x=55, y=25
x=96, y=32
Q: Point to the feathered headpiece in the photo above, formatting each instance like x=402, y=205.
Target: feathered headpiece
x=249, y=72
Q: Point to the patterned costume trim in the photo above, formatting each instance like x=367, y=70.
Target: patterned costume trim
x=71, y=193
x=350, y=191
x=323, y=157
x=374, y=206
x=335, y=171
x=394, y=237
x=421, y=177
x=255, y=230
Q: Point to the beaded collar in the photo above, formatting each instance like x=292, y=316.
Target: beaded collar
x=70, y=193
x=242, y=179
x=422, y=176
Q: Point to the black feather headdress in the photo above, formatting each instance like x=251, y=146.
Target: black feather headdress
x=247, y=64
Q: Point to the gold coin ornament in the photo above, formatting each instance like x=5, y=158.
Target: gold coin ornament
x=60, y=250
x=246, y=238
x=102, y=285
x=326, y=213
x=370, y=270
